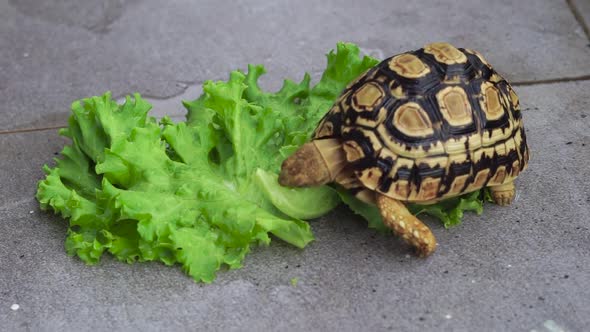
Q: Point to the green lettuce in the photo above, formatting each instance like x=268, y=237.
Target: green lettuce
x=449, y=211
x=200, y=193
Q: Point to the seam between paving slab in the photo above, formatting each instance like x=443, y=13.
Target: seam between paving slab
x=551, y=80
x=517, y=83
x=576, y=12
x=28, y=130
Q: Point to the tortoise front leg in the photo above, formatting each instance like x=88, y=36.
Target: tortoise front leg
x=397, y=217
x=504, y=193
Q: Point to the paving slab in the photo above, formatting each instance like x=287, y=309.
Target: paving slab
x=57, y=51
x=514, y=268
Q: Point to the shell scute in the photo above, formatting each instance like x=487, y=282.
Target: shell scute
x=408, y=65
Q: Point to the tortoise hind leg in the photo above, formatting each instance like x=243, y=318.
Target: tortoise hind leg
x=504, y=193
x=397, y=217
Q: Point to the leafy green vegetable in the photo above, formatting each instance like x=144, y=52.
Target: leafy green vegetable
x=369, y=212
x=200, y=193
x=450, y=211
x=304, y=203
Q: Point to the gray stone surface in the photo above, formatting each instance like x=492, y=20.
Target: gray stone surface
x=517, y=268
x=22, y=158
x=56, y=51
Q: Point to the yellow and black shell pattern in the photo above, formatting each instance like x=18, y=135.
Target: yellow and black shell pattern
x=429, y=124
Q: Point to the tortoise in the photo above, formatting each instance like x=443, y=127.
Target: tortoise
x=419, y=127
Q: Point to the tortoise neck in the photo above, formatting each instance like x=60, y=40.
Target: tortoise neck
x=331, y=151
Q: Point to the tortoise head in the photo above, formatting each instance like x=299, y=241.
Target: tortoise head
x=306, y=167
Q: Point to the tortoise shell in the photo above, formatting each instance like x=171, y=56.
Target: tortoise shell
x=428, y=124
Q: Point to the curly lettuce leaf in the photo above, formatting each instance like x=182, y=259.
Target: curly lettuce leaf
x=369, y=212
x=303, y=203
x=449, y=212
x=189, y=193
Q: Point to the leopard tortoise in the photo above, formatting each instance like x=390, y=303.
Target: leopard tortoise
x=419, y=127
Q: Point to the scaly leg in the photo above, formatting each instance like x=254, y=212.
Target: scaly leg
x=397, y=217
x=504, y=193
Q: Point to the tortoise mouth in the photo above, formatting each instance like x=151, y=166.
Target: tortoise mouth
x=286, y=175
x=293, y=172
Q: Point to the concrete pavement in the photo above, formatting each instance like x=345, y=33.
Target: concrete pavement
x=524, y=267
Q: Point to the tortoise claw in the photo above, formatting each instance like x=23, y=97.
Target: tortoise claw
x=503, y=195
x=503, y=200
